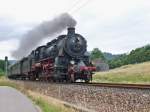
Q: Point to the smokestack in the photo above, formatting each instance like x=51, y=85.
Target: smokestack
x=49, y=28
x=71, y=31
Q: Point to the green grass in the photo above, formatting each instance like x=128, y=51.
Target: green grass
x=1, y=74
x=45, y=106
x=137, y=73
x=5, y=82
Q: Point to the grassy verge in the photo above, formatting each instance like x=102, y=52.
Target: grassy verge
x=38, y=99
x=137, y=73
x=6, y=82
x=1, y=74
x=48, y=104
x=45, y=106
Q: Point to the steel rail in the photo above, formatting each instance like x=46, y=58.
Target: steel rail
x=116, y=85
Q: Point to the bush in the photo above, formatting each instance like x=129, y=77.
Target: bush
x=1, y=72
x=2, y=64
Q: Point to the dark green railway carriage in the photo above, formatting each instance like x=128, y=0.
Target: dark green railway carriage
x=15, y=70
x=26, y=65
x=20, y=69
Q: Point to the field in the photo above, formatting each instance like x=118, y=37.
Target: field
x=136, y=73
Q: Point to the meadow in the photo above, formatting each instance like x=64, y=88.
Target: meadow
x=133, y=73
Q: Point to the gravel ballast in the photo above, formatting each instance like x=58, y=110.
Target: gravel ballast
x=99, y=99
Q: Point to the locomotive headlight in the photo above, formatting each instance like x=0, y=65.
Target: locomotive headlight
x=72, y=62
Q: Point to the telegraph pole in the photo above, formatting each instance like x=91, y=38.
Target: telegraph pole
x=6, y=65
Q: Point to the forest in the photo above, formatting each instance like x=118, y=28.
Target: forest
x=137, y=55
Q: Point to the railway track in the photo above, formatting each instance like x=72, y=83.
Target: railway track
x=117, y=85
x=112, y=85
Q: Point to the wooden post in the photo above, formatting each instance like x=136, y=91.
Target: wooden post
x=6, y=65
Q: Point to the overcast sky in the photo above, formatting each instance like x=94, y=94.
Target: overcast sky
x=115, y=26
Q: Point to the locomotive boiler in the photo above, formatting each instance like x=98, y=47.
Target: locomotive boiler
x=63, y=59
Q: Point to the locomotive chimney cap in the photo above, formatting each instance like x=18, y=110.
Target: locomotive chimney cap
x=71, y=30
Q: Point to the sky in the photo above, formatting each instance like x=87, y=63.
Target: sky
x=115, y=26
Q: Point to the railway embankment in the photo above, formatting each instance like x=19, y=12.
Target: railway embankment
x=94, y=98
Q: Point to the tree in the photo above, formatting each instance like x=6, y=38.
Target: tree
x=96, y=54
x=2, y=65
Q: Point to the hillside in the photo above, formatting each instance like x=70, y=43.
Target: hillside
x=138, y=55
x=110, y=56
x=133, y=73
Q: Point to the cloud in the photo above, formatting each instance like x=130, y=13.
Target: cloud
x=11, y=29
x=6, y=47
x=116, y=29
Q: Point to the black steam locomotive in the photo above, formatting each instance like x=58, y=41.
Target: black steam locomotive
x=63, y=59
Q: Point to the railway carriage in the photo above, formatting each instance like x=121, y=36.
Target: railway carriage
x=14, y=70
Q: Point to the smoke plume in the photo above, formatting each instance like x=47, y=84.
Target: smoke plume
x=49, y=28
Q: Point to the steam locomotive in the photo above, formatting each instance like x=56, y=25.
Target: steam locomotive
x=64, y=59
